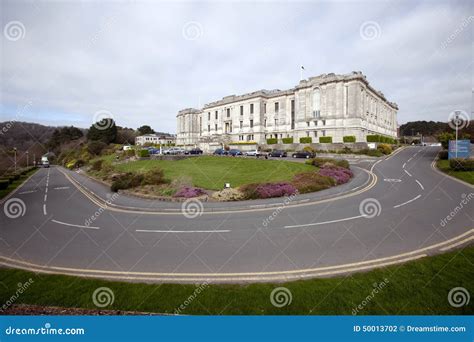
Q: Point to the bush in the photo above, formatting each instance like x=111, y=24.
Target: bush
x=309, y=149
x=4, y=183
x=311, y=181
x=443, y=155
x=460, y=164
x=144, y=153
x=384, y=148
x=6, y=178
x=126, y=181
x=189, y=192
x=154, y=177
x=96, y=147
x=287, y=140
x=272, y=141
x=319, y=162
x=339, y=174
x=349, y=139
x=325, y=140
x=267, y=190
x=370, y=152
x=306, y=140
x=380, y=139
x=97, y=165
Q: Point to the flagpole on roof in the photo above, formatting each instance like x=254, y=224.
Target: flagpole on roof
x=301, y=74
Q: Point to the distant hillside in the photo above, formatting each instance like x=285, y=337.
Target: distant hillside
x=23, y=135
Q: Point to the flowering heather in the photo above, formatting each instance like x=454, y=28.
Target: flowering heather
x=268, y=190
x=339, y=174
x=188, y=192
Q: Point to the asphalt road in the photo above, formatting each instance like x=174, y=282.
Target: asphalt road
x=394, y=211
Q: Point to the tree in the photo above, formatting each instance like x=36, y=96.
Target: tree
x=444, y=138
x=145, y=129
x=125, y=136
x=104, y=130
x=64, y=135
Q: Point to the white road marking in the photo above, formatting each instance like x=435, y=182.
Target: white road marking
x=409, y=160
x=392, y=180
x=325, y=222
x=61, y=188
x=74, y=225
x=408, y=173
x=44, y=210
x=421, y=185
x=46, y=190
x=402, y=204
x=45, y=197
x=27, y=192
x=181, y=231
x=404, y=164
x=457, y=244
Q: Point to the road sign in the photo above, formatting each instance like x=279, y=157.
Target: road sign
x=463, y=149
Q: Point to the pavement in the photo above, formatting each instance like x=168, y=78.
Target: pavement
x=395, y=210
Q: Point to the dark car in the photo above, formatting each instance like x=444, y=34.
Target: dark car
x=278, y=153
x=220, y=152
x=196, y=150
x=235, y=152
x=302, y=154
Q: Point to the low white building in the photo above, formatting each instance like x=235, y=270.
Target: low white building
x=328, y=105
x=156, y=139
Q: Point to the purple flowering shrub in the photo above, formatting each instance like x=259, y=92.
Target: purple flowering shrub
x=267, y=190
x=311, y=182
x=189, y=192
x=339, y=174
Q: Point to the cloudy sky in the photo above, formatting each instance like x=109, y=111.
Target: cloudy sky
x=62, y=62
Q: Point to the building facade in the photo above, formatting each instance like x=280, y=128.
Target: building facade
x=328, y=105
x=155, y=139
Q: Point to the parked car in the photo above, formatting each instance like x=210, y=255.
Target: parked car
x=153, y=150
x=175, y=150
x=235, y=152
x=221, y=152
x=196, y=150
x=253, y=153
x=278, y=153
x=303, y=154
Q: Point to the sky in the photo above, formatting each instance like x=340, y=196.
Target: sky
x=140, y=62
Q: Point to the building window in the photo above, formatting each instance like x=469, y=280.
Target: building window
x=324, y=122
x=316, y=103
x=241, y=124
x=264, y=108
x=324, y=133
x=228, y=112
x=315, y=134
x=209, y=116
x=215, y=127
x=307, y=123
x=241, y=110
x=277, y=106
x=292, y=114
x=251, y=108
x=208, y=128
x=276, y=122
x=265, y=123
x=251, y=123
x=307, y=134
x=217, y=115
x=316, y=122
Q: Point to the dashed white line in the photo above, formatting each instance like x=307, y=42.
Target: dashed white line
x=45, y=197
x=404, y=203
x=74, y=225
x=421, y=185
x=409, y=160
x=408, y=173
x=404, y=164
x=325, y=222
x=181, y=231
x=44, y=210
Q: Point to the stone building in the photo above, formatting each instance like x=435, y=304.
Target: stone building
x=328, y=105
x=156, y=139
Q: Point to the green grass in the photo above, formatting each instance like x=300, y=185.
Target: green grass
x=212, y=172
x=467, y=176
x=16, y=184
x=418, y=287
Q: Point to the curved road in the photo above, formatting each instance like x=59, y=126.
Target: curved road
x=395, y=213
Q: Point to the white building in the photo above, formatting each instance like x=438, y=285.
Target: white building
x=155, y=139
x=328, y=105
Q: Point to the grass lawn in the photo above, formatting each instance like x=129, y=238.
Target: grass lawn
x=418, y=287
x=467, y=176
x=16, y=184
x=212, y=172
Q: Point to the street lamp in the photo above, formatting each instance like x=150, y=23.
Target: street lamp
x=456, y=122
x=27, y=159
x=14, y=151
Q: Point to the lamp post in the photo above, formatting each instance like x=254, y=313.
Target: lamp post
x=27, y=161
x=456, y=122
x=14, y=151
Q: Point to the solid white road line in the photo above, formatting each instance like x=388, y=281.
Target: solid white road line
x=408, y=173
x=457, y=244
x=74, y=225
x=44, y=210
x=26, y=192
x=421, y=185
x=181, y=231
x=326, y=222
x=402, y=204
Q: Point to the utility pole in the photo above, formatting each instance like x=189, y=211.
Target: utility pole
x=27, y=161
x=456, y=122
x=14, y=151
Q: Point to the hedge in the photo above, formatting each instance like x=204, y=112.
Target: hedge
x=287, y=140
x=143, y=153
x=272, y=141
x=380, y=139
x=443, y=155
x=349, y=139
x=325, y=140
x=460, y=164
x=306, y=140
x=4, y=183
